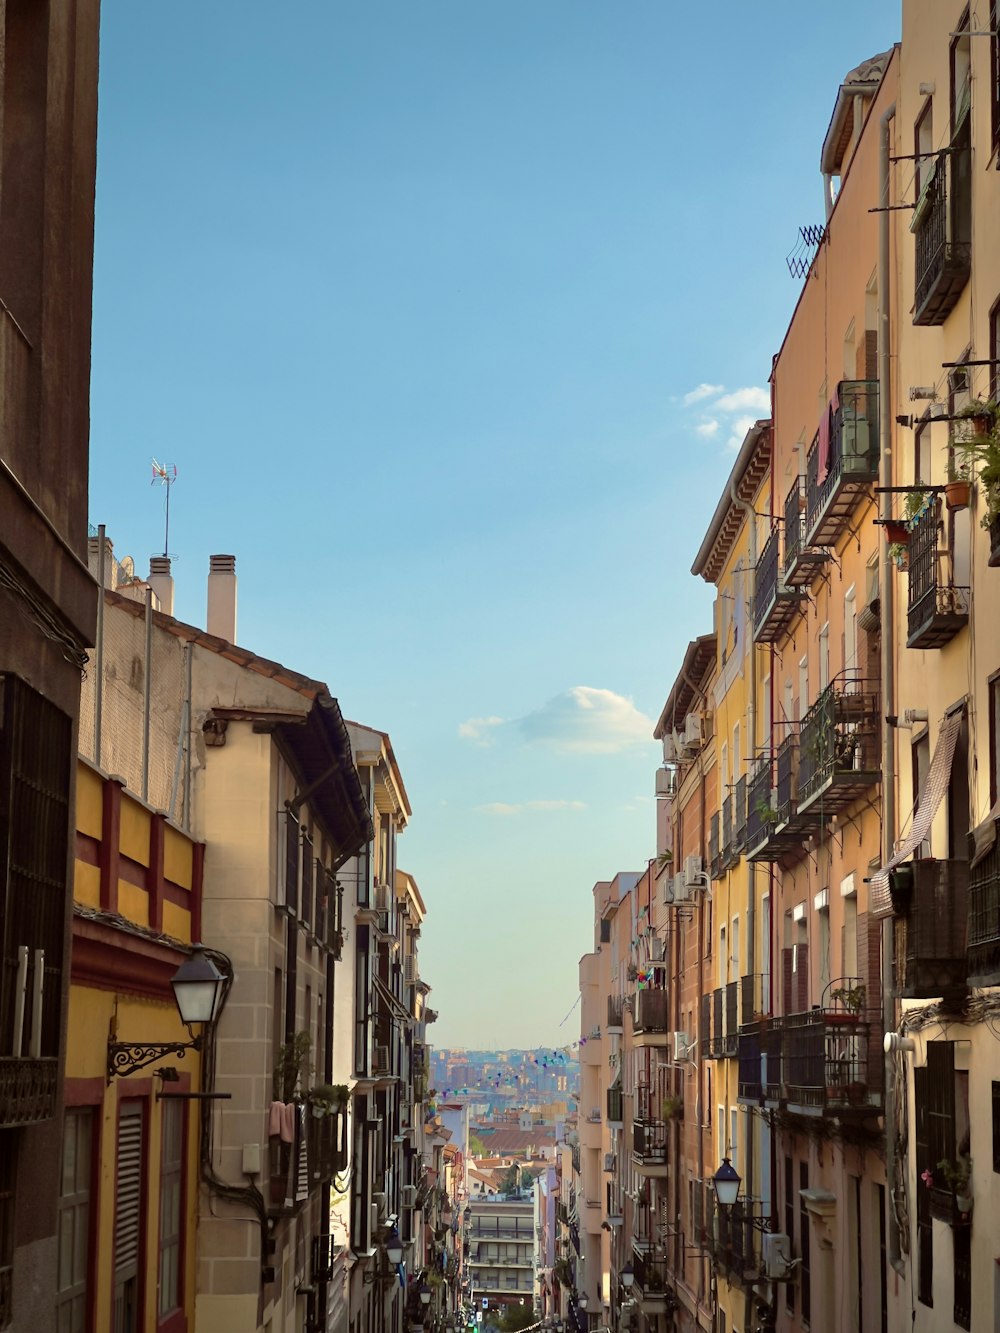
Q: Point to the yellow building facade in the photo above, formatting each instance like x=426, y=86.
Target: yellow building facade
x=131, y=1145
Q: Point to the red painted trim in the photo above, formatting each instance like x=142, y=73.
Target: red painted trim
x=155, y=878
x=176, y=1320
x=112, y=959
x=173, y=893
x=84, y=1091
x=111, y=829
x=87, y=849
x=197, y=880
x=133, y=872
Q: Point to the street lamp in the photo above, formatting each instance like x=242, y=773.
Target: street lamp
x=199, y=993
x=425, y=1294
x=394, y=1249
x=727, y=1184
x=582, y=1301
x=627, y=1276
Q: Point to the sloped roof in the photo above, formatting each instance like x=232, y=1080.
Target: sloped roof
x=749, y=470
x=698, y=660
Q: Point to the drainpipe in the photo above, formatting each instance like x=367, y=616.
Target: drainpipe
x=888, y=680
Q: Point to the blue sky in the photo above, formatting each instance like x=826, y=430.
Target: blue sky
x=418, y=296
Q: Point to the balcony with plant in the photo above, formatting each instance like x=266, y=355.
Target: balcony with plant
x=801, y=562
x=841, y=471
x=976, y=456
x=839, y=746
x=937, y=607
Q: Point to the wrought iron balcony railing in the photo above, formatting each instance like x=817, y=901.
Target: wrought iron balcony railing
x=27, y=1091
x=984, y=918
x=930, y=932
x=759, y=809
x=942, y=228
x=705, y=1028
x=828, y=1065
x=732, y=1003
x=840, y=471
x=775, y=602
x=783, y=825
x=715, y=846
x=615, y=1104
x=729, y=854
x=802, y=562
x=650, y=1011
x=937, y=607
x=616, y=1009
x=718, y=1024
x=650, y=1142
x=839, y=746
x=740, y=814
x=735, y=1241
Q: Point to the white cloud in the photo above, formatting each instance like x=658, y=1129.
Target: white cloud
x=744, y=400
x=702, y=392
x=479, y=729
x=587, y=720
x=739, y=430
x=707, y=428
x=503, y=808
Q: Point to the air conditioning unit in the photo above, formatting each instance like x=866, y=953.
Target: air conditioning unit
x=657, y=949
x=776, y=1252
x=679, y=890
x=409, y=1195
x=671, y=750
x=691, y=737
x=666, y=782
x=682, y=1047
x=383, y=898
x=410, y=970
x=378, y=1201
x=380, y=1062
x=609, y=1161
x=693, y=871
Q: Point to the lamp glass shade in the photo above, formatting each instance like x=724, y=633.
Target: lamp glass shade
x=627, y=1275
x=198, y=985
x=582, y=1301
x=394, y=1249
x=425, y=1295
x=727, y=1182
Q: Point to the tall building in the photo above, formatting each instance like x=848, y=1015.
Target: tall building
x=47, y=611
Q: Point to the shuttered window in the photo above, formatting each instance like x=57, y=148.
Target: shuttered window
x=922, y=1152
x=292, y=864
x=74, y=1222
x=128, y=1217
x=308, y=867
x=171, y=1203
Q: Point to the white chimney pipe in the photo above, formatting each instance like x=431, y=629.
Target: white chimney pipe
x=162, y=583
x=221, y=617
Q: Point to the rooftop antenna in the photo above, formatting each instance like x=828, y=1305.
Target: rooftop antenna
x=166, y=475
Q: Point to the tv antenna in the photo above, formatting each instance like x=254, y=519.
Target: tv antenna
x=166, y=475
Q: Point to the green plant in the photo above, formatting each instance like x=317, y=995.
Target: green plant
x=765, y=811
x=899, y=554
x=956, y=1175
x=851, y=997
x=982, y=409
x=916, y=503
x=672, y=1107
x=982, y=454
x=328, y=1097
x=292, y=1066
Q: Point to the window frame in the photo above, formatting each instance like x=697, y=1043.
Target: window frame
x=173, y=1319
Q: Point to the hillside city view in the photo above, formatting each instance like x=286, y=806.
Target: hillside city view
x=500, y=667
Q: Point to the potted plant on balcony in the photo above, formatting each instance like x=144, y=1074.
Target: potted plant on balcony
x=853, y=1000
x=957, y=1177
x=982, y=415
x=673, y=1108
x=982, y=452
x=915, y=506
x=899, y=552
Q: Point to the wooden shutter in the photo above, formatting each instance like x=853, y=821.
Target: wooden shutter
x=292, y=863
x=307, y=879
x=128, y=1187
x=802, y=978
x=786, y=982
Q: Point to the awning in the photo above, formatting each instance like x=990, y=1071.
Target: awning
x=397, y=1012
x=984, y=836
x=931, y=796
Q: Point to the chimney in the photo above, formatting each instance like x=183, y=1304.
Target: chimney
x=221, y=618
x=94, y=559
x=162, y=583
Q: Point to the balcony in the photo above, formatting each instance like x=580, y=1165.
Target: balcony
x=942, y=229
x=839, y=746
x=705, y=1028
x=802, y=562
x=718, y=1030
x=651, y=1282
x=27, y=1088
x=616, y=1006
x=649, y=1022
x=732, y=1002
x=835, y=484
x=937, y=608
x=759, y=809
x=614, y=1118
x=782, y=827
x=750, y=1087
x=775, y=602
x=984, y=918
x=734, y=1242
x=729, y=856
x=614, y=1213
x=649, y=1147
x=828, y=1063
x=930, y=933
x=715, y=846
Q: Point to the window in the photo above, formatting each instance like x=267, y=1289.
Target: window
x=789, y=1227
x=8, y=1159
x=291, y=884
x=804, y=1244
x=922, y=452
x=128, y=1217
x=883, y=1255
x=961, y=71
x=736, y=753
x=962, y=1268
x=994, y=735
x=923, y=143
x=824, y=657
x=924, y=1162
x=851, y=635
x=171, y=1205
x=74, y=1221
x=35, y=768
x=803, y=687
x=307, y=879
x=920, y=762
